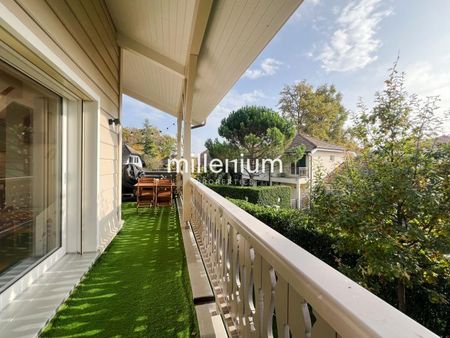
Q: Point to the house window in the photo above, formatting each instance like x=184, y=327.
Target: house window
x=301, y=163
x=134, y=159
x=30, y=173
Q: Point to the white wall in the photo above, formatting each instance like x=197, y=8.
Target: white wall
x=109, y=194
x=73, y=43
x=324, y=164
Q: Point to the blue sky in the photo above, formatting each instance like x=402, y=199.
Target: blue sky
x=348, y=43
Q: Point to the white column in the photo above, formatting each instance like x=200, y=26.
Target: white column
x=120, y=141
x=74, y=177
x=299, y=194
x=179, y=130
x=90, y=177
x=187, y=169
x=187, y=109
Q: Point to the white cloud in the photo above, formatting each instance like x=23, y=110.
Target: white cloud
x=354, y=44
x=425, y=80
x=335, y=10
x=268, y=67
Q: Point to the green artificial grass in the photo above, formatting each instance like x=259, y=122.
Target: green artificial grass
x=138, y=288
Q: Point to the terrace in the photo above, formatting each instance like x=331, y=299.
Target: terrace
x=261, y=282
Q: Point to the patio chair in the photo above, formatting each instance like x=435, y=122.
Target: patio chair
x=164, y=192
x=145, y=196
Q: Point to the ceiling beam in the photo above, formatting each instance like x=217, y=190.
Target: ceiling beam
x=200, y=19
x=202, y=11
x=138, y=48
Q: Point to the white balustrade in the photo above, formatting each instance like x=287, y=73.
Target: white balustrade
x=269, y=285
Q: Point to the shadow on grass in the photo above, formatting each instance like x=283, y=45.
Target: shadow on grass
x=137, y=288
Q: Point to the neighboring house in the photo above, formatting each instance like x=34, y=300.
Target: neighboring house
x=320, y=159
x=443, y=139
x=132, y=156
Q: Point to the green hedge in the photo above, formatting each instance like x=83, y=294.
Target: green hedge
x=295, y=225
x=277, y=195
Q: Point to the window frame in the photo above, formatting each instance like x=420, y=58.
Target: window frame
x=71, y=162
x=61, y=133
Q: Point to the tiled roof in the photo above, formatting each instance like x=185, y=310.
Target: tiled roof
x=131, y=150
x=312, y=143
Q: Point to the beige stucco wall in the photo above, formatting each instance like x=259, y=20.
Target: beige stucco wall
x=325, y=162
x=81, y=34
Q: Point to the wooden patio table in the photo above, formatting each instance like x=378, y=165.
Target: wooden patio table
x=140, y=185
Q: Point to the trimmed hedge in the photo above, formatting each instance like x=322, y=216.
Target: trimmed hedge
x=295, y=225
x=277, y=195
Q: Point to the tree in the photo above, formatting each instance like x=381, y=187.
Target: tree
x=294, y=154
x=258, y=132
x=149, y=140
x=390, y=204
x=222, y=150
x=315, y=111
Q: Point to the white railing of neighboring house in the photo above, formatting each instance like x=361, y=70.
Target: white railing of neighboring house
x=300, y=171
x=257, y=273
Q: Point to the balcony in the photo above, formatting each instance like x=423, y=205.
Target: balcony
x=288, y=175
x=262, y=284
x=301, y=172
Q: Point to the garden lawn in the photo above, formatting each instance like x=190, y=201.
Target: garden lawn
x=138, y=288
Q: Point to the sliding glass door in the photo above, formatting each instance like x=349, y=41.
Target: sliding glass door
x=30, y=173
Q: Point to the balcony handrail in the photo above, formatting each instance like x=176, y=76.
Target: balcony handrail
x=300, y=171
x=348, y=308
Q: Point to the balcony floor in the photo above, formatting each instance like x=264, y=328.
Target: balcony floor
x=138, y=287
